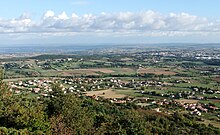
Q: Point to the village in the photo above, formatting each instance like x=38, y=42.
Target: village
x=99, y=89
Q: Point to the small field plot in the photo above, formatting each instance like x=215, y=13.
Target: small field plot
x=127, y=71
x=102, y=70
x=106, y=94
x=187, y=101
x=129, y=92
x=157, y=71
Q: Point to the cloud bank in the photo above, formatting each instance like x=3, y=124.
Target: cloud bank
x=148, y=23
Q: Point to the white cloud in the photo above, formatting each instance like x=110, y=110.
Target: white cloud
x=63, y=16
x=48, y=14
x=148, y=23
x=21, y=24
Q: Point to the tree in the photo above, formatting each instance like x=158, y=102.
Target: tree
x=4, y=88
x=55, y=101
x=79, y=118
x=58, y=127
x=24, y=113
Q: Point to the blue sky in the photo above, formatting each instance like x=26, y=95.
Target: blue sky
x=13, y=8
x=105, y=21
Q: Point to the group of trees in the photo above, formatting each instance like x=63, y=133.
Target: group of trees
x=65, y=114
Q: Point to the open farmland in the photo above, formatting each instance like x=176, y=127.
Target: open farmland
x=102, y=70
x=94, y=71
x=90, y=71
x=157, y=71
x=127, y=71
x=77, y=72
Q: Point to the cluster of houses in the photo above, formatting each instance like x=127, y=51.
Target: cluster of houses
x=78, y=85
x=61, y=60
x=111, y=83
x=198, y=108
x=204, y=91
x=46, y=64
x=175, y=95
x=193, y=108
x=89, y=84
x=37, y=86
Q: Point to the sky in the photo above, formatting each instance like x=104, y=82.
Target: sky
x=109, y=21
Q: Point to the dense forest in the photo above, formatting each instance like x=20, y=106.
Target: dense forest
x=62, y=114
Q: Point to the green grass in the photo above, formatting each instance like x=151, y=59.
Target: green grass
x=209, y=85
x=120, y=71
x=129, y=92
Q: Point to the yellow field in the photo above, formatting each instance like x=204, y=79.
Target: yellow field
x=105, y=94
x=187, y=101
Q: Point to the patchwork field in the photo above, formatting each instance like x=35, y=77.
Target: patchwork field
x=157, y=71
x=97, y=71
x=78, y=72
x=123, y=71
x=89, y=71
